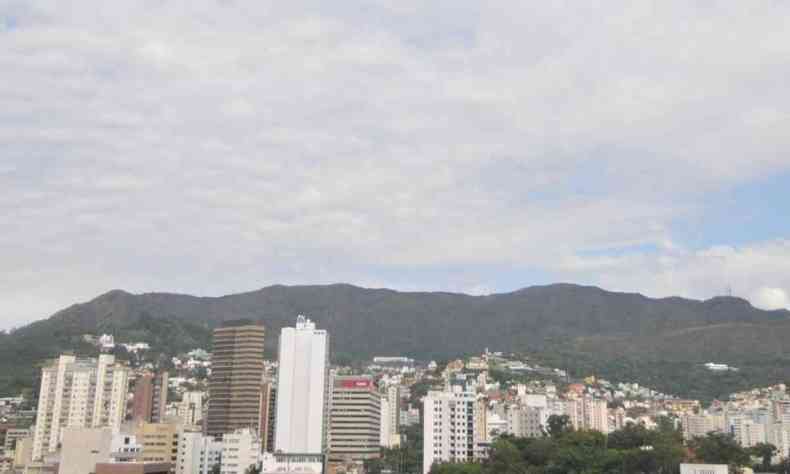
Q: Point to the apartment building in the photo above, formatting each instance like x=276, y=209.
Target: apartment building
x=159, y=442
x=197, y=454
x=149, y=402
x=190, y=409
x=78, y=393
x=588, y=414
x=449, y=430
x=240, y=450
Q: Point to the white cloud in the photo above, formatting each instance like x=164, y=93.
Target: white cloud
x=218, y=146
x=757, y=272
x=771, y=298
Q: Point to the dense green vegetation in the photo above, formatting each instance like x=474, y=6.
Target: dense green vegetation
x=623, y=337
x=632, y=450
x=406, y=458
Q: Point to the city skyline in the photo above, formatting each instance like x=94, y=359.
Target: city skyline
x=469, y=146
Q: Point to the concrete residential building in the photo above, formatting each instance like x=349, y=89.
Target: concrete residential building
x=197, y=454
x=236, y=378
x=240, y=450
x=190, y=409
x=449, y=429
x=302, y=389
x=702, y=424
x=749, y=432
x=393, y=399
x=526, y=421
x=588, y=414
x=354, y=420
x=159, y=442
x=150, y=398
x=83, y=448
x=78, y=393
x=385, y=438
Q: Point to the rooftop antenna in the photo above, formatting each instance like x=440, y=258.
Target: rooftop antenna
x=729, y=291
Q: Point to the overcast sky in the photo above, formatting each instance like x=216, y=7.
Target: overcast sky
x=213, y=147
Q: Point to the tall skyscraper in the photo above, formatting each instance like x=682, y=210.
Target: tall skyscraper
x=236, y=379
x=302, y=389
x=88, y=393
x=150, y=398
x=354, y=420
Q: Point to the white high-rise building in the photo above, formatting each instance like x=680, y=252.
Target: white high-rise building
x=302, y=389
x=450, y=430
x=87, y=393
x=384, y=433
x=393, y=397
x=197, y=454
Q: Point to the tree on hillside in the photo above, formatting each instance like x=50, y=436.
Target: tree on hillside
x=765, y=451
x=558, y=425
x=456, y=468
x=505, y=458
x=719, y=448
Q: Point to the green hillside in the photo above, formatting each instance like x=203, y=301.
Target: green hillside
x=659, y=342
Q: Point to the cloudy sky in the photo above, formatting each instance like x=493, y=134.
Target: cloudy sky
x=213, y=147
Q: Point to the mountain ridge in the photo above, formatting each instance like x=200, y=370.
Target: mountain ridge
x=587, y=325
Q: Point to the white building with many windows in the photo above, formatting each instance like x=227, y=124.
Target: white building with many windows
x=197, y=454
x=302, y=389
x=240, y=450
x=78, y=393
x=450, y=428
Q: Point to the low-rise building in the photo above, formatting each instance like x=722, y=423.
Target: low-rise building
x=197, y=454
x=240, y=450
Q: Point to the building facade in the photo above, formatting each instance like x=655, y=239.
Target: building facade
x=150, y=397
x=159, y=442
x=354, y=420
x=268, y=412
x=190, y=409
x=197, y=454
x=240, y=450
x=449, y=430
x=236, y=379
x=78, y=393
x=302, y=389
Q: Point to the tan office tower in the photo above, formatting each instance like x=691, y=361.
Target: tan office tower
x=354, y=420
x=236, y=379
